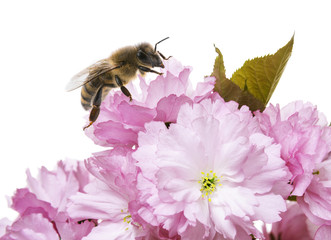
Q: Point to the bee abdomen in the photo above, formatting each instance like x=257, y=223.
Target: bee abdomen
x=87, y=93
x=86, y=104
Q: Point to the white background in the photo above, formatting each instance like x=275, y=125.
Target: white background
x=43, y=44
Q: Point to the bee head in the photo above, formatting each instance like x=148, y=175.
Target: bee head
x=148, y=57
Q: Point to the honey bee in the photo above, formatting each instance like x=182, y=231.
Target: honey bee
x=115, y=71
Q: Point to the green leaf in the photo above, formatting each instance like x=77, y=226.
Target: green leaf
x=261, y=75
x=229, y=90
x=219, y=69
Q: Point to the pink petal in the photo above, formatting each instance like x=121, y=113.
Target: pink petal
x=168, y=107
x=115, y=133
x=135, y=115
x=100, y=203
x=32, y=227
x=323, y=233
x=27, y=203
x=112, y=230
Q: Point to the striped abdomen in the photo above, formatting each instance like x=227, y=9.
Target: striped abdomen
x=88, y=92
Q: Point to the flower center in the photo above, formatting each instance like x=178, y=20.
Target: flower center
x=128, y=219
x=208, y=181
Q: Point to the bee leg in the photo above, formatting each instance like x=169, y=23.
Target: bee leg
x=146, y=69
x=123, y=88
x=96, y=107
x=162, y=56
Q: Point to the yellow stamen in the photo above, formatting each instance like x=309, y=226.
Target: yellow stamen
x=208, y=183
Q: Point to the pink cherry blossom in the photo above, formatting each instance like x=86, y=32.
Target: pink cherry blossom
x=109, y=206
x=57, y=186
x=299, y=128
x=316, y=202
x=46, y=200
x=212, y=169
x=120, y=120
x=112, y=198
x=108, y=197
x=294, y=225
x=31, y=227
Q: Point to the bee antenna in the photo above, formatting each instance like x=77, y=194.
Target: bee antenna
x=159, y=42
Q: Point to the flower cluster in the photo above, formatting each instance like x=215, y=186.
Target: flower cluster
x=305, y=139
x=42, y=206
x=185, y=164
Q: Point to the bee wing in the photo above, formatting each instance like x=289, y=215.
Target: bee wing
x=89, y=73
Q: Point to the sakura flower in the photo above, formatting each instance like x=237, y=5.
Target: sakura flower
x=299, y=128
x=110, y=207
x=111, y=198
x=120, y=120
x=45, y=200
x=108, y=197
x=57, y=186
x=294, y=225
x=213, y=170
x=316, y=202
x=31, y=227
